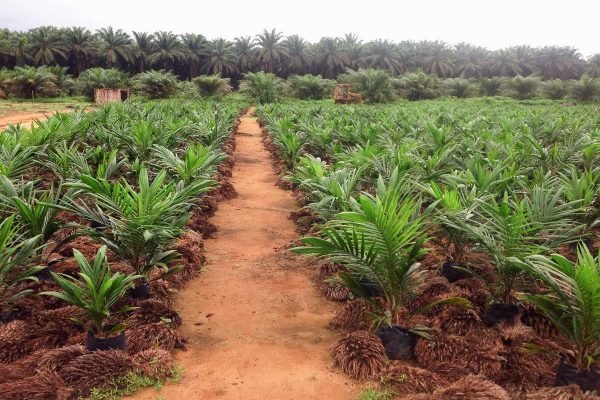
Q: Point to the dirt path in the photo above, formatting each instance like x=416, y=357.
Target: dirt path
x=24, y=118
x=256, y=326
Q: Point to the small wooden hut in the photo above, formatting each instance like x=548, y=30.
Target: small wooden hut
x=108, y=95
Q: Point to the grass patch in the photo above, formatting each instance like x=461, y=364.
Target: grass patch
x=130, y=384
x=371, y=393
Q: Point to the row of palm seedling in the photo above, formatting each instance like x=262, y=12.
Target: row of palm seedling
x=507, y=186
x=121, y=181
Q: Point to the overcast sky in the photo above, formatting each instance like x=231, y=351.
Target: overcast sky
x=493, y=24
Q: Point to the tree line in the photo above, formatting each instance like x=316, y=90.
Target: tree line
x=191, y=54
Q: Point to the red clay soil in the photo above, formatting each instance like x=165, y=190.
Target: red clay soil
x=24, y=118
x=257, y=328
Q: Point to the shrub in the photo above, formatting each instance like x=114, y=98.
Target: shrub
x=522, y=88
x=187, y=90
x=155, y=84
x=555, y=89
x=94, y=78
x=374, y=85
x=211, y=85
x=310, y=87
x=419, y=86
x=458, y=87
x=263, y=87
x=31, y=81
x=587, y=89
x=490, y=86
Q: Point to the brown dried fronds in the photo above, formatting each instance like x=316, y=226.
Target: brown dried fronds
x=152, y=311
x=352, y=316
x=226, y=189
x=45, y=385
x=199, y=223
x=530, y=316
x=458, y=320
x=409, y=379
x=571, y=392
x=152, y=336
x=439, y=349
x=190, y=246
x=479, y=353
x=54, y=359
x=471, y=387
x=95, y=369
x=14, y=372
x=473, y=289
x=156, y=363
x=208, y=206
x=359, y=354
x=305, y=219
x=14, y=340
x=334, y=291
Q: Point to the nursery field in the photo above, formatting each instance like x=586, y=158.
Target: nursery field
x=440, y=249
x=102, y=216
x=461, y=237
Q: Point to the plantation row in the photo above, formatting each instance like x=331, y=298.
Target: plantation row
x=98, y=216
x=465, y=235
x=375, y=86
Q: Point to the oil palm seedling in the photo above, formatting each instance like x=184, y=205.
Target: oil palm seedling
x=571, y=300
x=199, y=162
x=96, y=291
x=451, y=207
x=138, y=225
x=16, y=256
x=36, y=210
x=380, y=242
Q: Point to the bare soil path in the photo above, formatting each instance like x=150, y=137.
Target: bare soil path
x=24, y=118
x=256, y=326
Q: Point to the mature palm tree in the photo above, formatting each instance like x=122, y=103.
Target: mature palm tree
x=144, y=46
x=194, y=50
x=47, y=46
x=298, y=60
x=593, y=68
x=245, y=53
x=167, y=49
x=221, y=58
x=437, y=59
x=331, y=57
x=82, y=46
x=115, y=46
x=354, y=49
x=470, y=60
x=560, y=62
x=505, y=63
x=408, y=55
x=526, y=56
x=383, y=55
x=271, y=51
x=13, y=46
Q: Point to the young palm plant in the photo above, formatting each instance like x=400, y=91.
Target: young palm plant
x=137, y=225
x=36, y=210
x=15, y=255
x=572, y=302
x=379, y=242
x=95, y=291
x=199, y=162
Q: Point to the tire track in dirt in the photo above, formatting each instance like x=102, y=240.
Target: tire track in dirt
x=256, y=326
